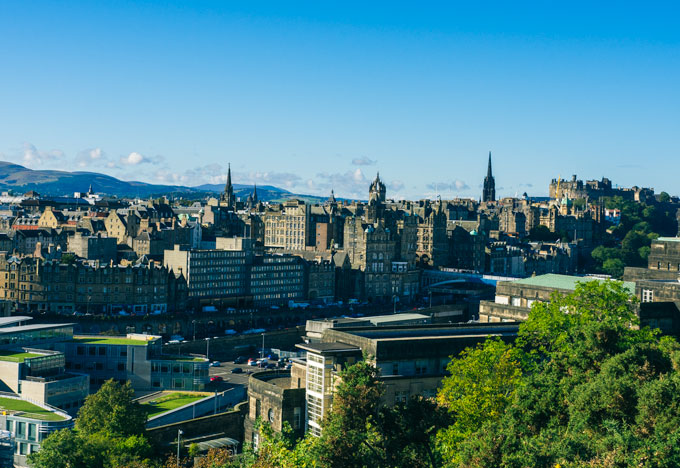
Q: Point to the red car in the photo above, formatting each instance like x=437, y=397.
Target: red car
x=216, y=378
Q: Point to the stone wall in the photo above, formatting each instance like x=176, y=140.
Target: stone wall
x=228, y=424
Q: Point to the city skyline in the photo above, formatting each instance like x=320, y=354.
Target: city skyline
x=314, y=98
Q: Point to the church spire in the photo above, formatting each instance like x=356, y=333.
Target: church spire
x=228, y=186
x=228, y=196
x=254, y=193
x=489, y=193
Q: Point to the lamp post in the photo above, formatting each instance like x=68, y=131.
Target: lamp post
x=430, y=298
x=262, y=351
x=194, y=323
x=395, y=298
x=207, y=349
x=179, y=436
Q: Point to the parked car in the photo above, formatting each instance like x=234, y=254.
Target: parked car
x=273, y=357
x=252, y=362
x=240, y=360
x=237, y=370
x=216, y=378
x=271, y=365
x=215, y=364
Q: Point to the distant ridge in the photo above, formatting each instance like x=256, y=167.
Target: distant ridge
x=63, y=183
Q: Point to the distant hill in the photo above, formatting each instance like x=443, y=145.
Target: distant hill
x=62, y=183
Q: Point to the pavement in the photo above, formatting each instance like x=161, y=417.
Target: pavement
x=231, y=380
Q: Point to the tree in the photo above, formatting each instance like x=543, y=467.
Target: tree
x=63, y=449
x=601, y=391
x=109, y=432
x=664, y=197
x=350, y=433
x=481, y=384
x=614, y=267
x=112, y=410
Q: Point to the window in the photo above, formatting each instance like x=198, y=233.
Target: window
x=647, y=295
x=270, y=415
x=121, y=366
x=32, y=433
x=297, y=417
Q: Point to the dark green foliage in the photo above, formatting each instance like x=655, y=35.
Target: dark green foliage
x=109, y=433
x=603, y=392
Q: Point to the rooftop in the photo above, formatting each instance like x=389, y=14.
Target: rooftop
x=424, y=332
x=327, y=347
x=4, y=321
x=14, y=405
x=668, y=239
x=168, y=401
x=17, y=356
x=565, y=282
x=109, y=340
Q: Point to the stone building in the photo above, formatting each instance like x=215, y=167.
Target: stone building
x=33, y=284
x=276, y=398
x=287, y=226
x=514, y=298
x=93, y=247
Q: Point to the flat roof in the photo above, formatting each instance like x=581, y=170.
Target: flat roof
x=39, y=326
x=4, y=321
x=29, y=410
x=109, y=340
x=566, y=282
x=396, y=317
x=18, y=356
x=328, y=347
x=668, y=239
x=429, y=332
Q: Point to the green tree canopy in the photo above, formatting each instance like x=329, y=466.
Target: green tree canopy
x=112, y=410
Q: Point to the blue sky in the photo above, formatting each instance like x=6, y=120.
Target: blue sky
x=319, y=95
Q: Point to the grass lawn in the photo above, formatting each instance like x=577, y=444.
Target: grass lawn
x=165, y=403
x=31, y=410
x=164, y=357
x=14, y=356
x=107, y=340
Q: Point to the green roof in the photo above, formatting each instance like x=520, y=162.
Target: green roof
x=565, y=282
x=30, y=410
x=668, y=239
x=171, y=401
x=109, y=340
x=17, y=356
x=164, y=357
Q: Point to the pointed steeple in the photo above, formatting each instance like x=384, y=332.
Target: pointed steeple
x=228, y=196
x=254, y=193
x=90, y=191
x=489, y=193
x=228, y=186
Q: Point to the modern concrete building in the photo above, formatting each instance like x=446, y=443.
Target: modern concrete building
x=412, y=360
x=138, y=358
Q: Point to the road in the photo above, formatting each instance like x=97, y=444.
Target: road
x=230, y=380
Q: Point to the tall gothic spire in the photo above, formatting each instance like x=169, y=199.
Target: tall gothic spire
x=489, y=193
x=488, y=172
x=228, y=186
x=228, y=196
x=255, y=193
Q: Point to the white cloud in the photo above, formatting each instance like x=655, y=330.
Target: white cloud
x=90, y=156
x=36, y=159
x=133, y=159
x=363, y=161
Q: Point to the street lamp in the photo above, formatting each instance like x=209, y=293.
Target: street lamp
x=262, y=352
x=430, y=298
x=194, y=322
x=207, y=348
x=395, y=298
x=179, y=436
